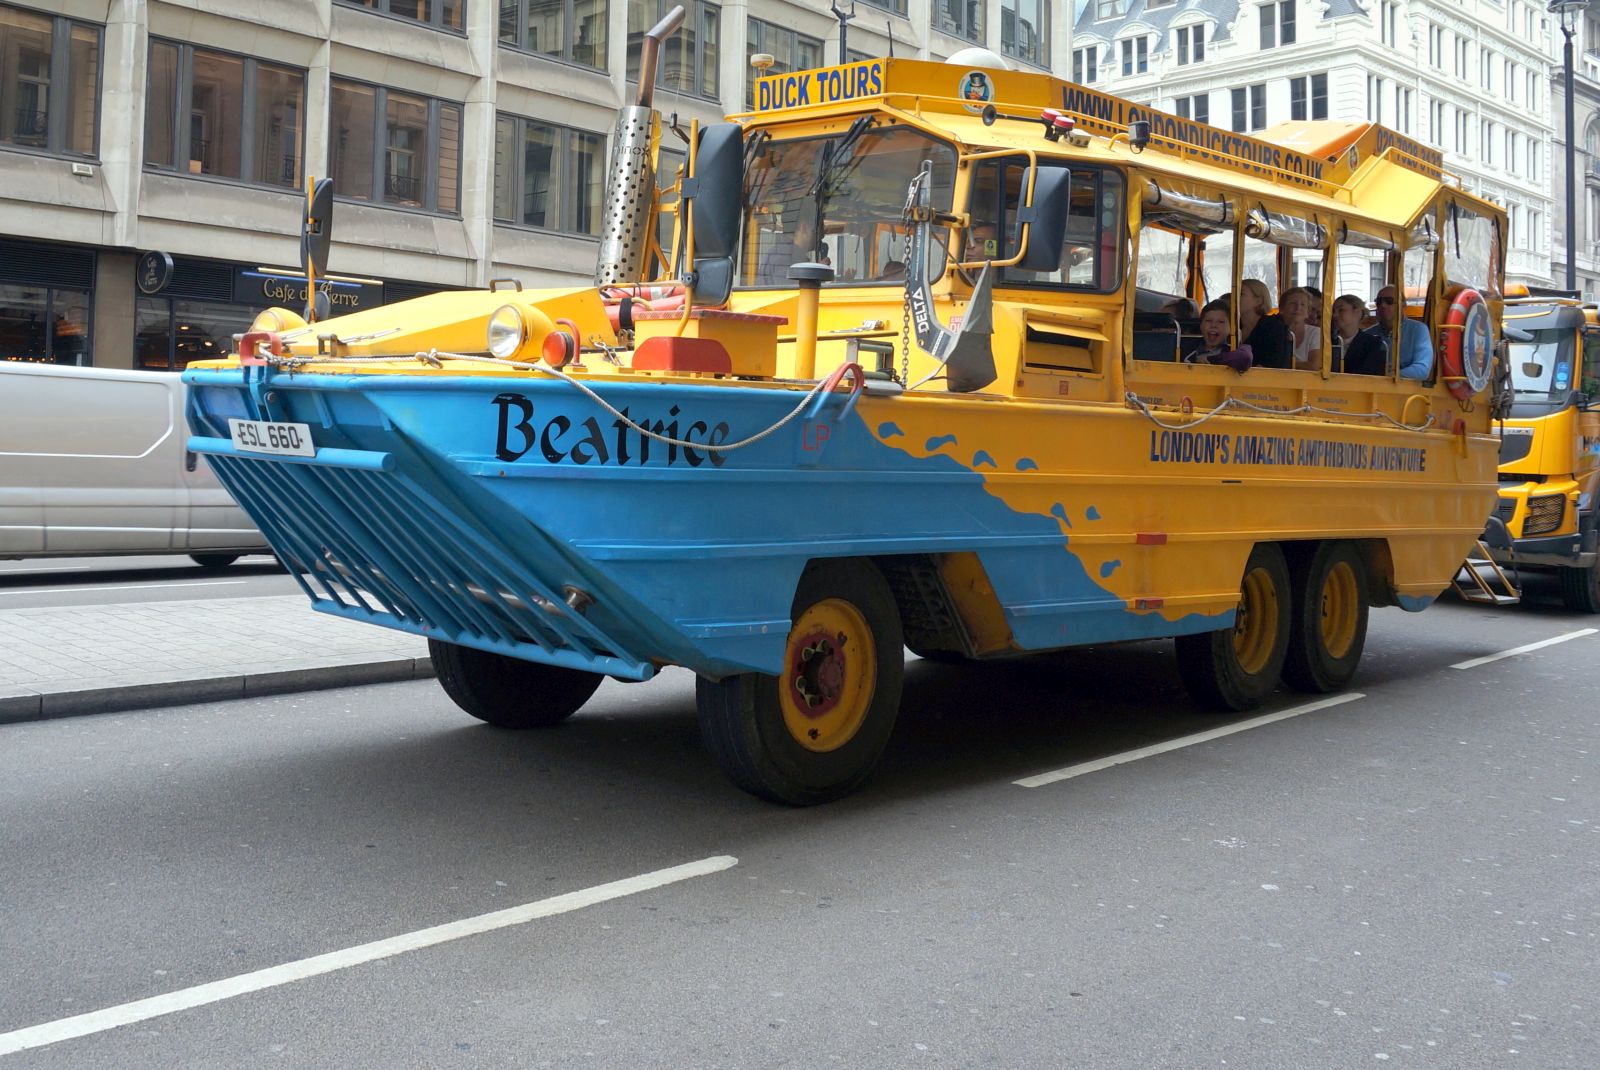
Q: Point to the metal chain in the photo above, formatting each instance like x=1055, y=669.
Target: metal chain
x=905, y=314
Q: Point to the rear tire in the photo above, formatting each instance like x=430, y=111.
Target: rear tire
x=814, y=734
x=1580, y=588
x=1235, y=669
x=508, y=692
x=1328, y=626
x=213, y=560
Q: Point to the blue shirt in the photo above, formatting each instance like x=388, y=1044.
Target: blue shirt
x=1416, y=362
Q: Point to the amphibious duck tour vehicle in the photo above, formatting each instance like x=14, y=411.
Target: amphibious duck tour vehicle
x=908, y=372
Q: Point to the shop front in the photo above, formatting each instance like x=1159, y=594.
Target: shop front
x=46, y=303
x=192, y=311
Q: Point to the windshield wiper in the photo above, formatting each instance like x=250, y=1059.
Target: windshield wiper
x=836, y=156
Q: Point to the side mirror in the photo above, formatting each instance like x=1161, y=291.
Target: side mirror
x=1046, y=217
x=316, y=232
x=1532, y=369
x=717, y=190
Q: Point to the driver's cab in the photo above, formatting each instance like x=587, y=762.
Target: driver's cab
x=839, y=198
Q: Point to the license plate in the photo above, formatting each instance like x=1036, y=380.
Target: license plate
x=270, y=436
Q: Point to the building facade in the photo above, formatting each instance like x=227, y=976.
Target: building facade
x=154, y=153
x=1586, y=170
x=1470, y=78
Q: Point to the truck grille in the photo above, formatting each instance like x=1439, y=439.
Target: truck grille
x=1545, y=513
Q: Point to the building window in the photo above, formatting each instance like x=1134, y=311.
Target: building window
x=1461, y=131
x=1135, y=55
x=1533, y=159
x=45, y=323
x=1513, y=158
x=1308, y=97
x=689, y=57
x=1190, y=44
x=571, y=30
x=1461, y=56
x=1025, y=30
x=959, y=18
x=394, y=148
x=216, y=113
x=1086, y=65
x=1197, y=107
x=1277, y=24
x=1108, y=9
x=1250, y=108
x=790, y=51
x=1436, y=46
x=897, y=6
x=1511, y=81
x=1486, y=141
x=440, y=14
x=1389, y=23
x=1486, y=69
x=49, y=83
x=1402, y=108
x=1374, y=99
x=548, y=176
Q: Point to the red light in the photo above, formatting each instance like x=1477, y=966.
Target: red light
x=557, y=348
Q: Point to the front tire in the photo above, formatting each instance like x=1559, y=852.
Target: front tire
x=815, y=733
x=508, y=692
x=1328, y=627
x=1235, y=669
x=1580, y=588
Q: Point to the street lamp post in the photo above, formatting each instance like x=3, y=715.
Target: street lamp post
x=1569, y=11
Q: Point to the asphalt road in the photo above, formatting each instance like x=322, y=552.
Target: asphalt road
x=1407, y=878
x=88, y=581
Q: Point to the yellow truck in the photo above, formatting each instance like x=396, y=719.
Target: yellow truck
x=1550, y=444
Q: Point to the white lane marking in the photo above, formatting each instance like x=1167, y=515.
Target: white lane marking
x=1067, y=773
x=80, y=1025
x=1514, y=651
x=128, y=587
x=44, y=568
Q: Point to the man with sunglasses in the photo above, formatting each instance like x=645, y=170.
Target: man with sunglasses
x=1416, y=351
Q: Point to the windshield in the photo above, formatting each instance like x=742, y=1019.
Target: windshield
x=1542, y=369
x=815, y=199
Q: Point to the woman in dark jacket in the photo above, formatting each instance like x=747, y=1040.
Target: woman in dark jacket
x=1264, y=332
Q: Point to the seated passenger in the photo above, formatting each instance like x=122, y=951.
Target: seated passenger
x=1296, y=311
x=1416, y=358
x=1213, y=347
x=1355, y=350
x=1315, y=292
x=1263, y=331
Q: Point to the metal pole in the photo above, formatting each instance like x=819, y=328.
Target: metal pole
x=1572, y=175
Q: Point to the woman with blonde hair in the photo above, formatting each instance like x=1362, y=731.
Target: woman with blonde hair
x=1262, y=329
x=1295, y=306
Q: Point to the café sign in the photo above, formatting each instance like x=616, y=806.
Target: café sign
x=264, y=288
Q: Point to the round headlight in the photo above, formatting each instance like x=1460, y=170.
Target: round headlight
x=277, y=320
x=507, y=331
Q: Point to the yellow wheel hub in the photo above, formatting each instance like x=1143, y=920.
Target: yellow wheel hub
x=1255, y=626
x=830, y=674
x=1340, y=610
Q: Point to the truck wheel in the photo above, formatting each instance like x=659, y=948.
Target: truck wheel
x=1236, y=668
x=1328, y=625
x=508, y=692
x=1580, y=588
x=213, y=560
x=814, y=733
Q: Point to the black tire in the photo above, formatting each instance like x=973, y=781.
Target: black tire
x=1580, y=588
x=1213, y=669
x=1328, y=624
x=213, y=560
x=743, y=718
x=941, y=657
x=508, y=692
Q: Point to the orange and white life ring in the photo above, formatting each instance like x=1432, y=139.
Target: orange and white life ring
x=1467, y=360
x=621, y=302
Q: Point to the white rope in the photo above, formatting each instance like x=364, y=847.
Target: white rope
x=1237, y=403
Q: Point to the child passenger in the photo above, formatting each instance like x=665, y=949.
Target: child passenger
x=1214, y=347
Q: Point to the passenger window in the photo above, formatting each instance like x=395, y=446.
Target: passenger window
x=1217, y=267
x=1091, y=255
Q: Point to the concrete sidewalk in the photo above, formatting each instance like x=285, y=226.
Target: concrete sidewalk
x=68, y=660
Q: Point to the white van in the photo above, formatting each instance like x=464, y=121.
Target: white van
x=92, y=462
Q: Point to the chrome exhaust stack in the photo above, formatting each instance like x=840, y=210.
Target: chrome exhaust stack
x=624, y=227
